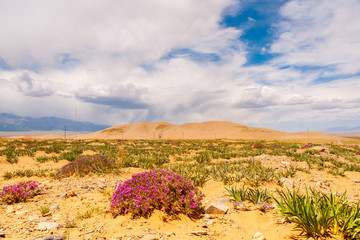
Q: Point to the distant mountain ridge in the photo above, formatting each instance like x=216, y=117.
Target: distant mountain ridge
x=339, y=130
x=12, y=122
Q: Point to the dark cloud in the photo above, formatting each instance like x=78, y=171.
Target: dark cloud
x=116, y=102
x=30, y=86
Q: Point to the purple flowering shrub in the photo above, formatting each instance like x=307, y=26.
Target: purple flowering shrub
x=86, y=165
x=262, y=206
x=309, y=145
x=19, y=192
x=157, y=190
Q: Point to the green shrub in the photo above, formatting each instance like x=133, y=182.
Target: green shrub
x=319, y=215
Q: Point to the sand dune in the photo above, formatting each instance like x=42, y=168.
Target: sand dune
x=204, y=130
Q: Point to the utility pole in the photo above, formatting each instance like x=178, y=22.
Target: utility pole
x=75, y=121
x=65, y=131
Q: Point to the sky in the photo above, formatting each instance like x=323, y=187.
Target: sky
x=290, y=65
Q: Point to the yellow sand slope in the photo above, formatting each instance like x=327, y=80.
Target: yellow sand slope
x=204, y=130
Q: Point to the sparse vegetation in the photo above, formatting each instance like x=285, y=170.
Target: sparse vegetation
x=319, y=215
x=179, y=169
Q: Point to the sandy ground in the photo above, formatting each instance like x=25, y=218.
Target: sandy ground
x=94, y=193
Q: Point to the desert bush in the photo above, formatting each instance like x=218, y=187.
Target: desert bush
x=253, y=195
x=29, y=173
x=157, y=190
x=258, y=195
x=197, y=173
x=70, y=156
x=203, y=157
x=42, y=159
x=238, y=195
x=309, y=145
x=44, y=210
x=11, y=154
x=90, y=164
x=258, y=145
x=319, y=215
x=56, y=147
x=19, y=192
x=287, y=173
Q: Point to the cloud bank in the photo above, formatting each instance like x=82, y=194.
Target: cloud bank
x=128, y=61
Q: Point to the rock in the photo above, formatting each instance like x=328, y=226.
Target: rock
x=356, y=181
x=199, y=233
x=22, y=212
x=217, y=208
x=320, y=149
x=42, y=226
x=54, y=207
x=62, y=196
x=258, y=236
x=285, y=163
x=2, y=235
x=322, y=184
x=287, y=183
x=210, y=222
x=33, y=217
x=150, y=230
x=207, y=216
x=10, y=209
x=101, y=186
x=51, y=237
x=71, y=194
x=169, y=234
x=150, y=237
x=56, y=217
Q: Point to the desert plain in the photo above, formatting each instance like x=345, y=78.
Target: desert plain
x=215, y=156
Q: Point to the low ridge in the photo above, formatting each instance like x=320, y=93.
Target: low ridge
x=203, y=130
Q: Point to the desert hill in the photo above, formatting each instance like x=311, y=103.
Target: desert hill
x=204, y=130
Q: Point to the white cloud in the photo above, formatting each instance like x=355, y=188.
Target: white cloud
x=125, y=31
x=108, y=59
x=322, y=33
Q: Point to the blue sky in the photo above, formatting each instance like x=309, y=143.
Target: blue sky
x=289, y=65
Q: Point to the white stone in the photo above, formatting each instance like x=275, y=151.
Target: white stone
x=33, y=217
x=22, y=212
x=287, y=183
x=42, y=226
x=10, y=209
x=285, y=163
x=54, y=207
x=150, y=237
x=217, y=208
x=258, y=236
